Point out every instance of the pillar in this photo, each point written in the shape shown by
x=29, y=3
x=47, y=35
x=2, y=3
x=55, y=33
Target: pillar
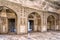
x=39, y=24
x=23, y=25
x=18, y=25
x=57, y=23
x=22, y=22
x=35, y=24
x=44, y=22
x=4, y=26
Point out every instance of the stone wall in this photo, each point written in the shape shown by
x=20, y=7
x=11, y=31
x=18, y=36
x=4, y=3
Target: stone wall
x=22, y=16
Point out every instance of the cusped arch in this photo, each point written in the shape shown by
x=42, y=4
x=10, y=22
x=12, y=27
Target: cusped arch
x=34, y=14
x=9, y=5
x=12, y=10
x=51, y=16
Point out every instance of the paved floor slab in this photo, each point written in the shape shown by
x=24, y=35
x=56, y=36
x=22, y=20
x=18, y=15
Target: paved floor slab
x=33, y=36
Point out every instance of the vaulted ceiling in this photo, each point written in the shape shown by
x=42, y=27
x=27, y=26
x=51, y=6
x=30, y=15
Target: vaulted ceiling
x=46, y=5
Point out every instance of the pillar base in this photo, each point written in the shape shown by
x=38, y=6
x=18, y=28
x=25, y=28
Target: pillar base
x=22, y=29
x=43, y=29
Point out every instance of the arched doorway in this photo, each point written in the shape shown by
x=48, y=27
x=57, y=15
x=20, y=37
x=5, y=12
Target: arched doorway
x=34, y=22
x=9, y=20
x=12, y=22
x=51, y=23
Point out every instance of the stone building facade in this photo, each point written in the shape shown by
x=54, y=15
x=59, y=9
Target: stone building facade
x=15, y=18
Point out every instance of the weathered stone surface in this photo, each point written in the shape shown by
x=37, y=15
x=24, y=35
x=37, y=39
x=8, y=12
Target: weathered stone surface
x=33, y=36
x=22, y=13
x=35, y=4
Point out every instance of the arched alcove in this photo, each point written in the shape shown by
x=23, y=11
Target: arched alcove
x=51, y=22
x=8, y=20
x=34, y=22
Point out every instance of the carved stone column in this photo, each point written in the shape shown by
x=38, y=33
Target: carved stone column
x=57, y=24
x=18, y=25
x=44, y=23
x=39, y=24
x=0, y=24
x=23, y=25
x=4, y=27
x=35, y=25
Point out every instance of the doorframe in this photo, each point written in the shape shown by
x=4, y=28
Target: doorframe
x=33, y=25
x=15, y=25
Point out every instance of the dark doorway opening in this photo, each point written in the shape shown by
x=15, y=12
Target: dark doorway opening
x=11, y=25
x=31, y=25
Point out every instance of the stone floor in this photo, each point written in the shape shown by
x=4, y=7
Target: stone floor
x=52, y=35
